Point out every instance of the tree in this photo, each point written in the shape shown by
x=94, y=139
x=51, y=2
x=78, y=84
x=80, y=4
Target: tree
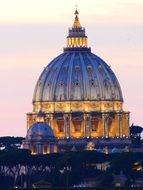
x=8, y=141
x=135, y=133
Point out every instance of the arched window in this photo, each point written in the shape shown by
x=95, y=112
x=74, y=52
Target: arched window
x=34, y=150
x=94, y=124
x=108, y=125
x=60, y=124
x=109, y=122
x=46, y=149
x=77, y=125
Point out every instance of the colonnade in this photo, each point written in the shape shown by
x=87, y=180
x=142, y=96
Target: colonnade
x=40, y=147
x=117, y=128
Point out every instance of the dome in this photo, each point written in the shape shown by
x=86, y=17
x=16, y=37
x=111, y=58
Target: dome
x=77, y=74
x=115, y=150
x=79, y=96
x=40, y=130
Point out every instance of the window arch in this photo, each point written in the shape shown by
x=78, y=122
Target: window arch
x=94, y=124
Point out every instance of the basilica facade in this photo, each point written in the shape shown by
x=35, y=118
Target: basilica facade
x=77, y=102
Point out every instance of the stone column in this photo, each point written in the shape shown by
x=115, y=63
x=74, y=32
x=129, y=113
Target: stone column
x=51, y=148
x=128, y=123
x=103, y=123
x=84, y=124
x=119, y=132
x=39, y=148
x=68, y=125
x=48, y=148
x=105, y=117
x=121, y=125
x=65, y=125
x=55, y=148
x=67, y=122
x=87, y=121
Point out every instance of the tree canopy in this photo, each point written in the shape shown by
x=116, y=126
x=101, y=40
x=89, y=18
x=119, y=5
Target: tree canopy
x=135, y=129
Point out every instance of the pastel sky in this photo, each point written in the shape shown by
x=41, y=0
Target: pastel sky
x=33, y=32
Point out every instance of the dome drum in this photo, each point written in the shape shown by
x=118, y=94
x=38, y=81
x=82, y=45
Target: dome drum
x=80, y=106
x=84, y=125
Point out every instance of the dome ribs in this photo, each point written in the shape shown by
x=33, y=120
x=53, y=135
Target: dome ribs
x=77, y=75
x=55, y=80
x=98, y=92
x=84, y=76
x=69, y=78
x=109, y=80
x=47, y=87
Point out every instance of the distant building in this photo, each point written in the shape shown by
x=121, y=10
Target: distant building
x=77, y=102
x=40, y=137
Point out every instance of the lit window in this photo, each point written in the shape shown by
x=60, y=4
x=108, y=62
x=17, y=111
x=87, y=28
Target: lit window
x=60, y=124
x=94, y=124
x=77, y=125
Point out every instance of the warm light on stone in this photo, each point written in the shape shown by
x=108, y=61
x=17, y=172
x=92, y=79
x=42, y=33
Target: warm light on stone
x=79, y=98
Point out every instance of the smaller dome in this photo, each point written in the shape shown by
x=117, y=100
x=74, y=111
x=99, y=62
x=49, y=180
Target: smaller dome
x=40, y=130
x=115, y=150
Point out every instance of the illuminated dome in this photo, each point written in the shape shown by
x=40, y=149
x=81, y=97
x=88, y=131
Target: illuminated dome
x=77, y=101
x=40, y=130
x=77, y=74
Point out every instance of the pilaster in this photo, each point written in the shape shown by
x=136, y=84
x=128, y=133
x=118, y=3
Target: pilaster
x=104, y=124
x=119, y=129
x=67, y=122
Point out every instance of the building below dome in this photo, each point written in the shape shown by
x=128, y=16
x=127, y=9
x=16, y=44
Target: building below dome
x=79, y=97
x=40, y=138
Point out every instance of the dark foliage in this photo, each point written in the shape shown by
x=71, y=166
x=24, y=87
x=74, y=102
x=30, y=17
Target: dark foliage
x=135, y=133
x=10, y=141
x=135, y=130
x=70, y=168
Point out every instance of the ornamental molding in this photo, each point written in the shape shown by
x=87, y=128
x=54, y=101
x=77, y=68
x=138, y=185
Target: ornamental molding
x=83, y=106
